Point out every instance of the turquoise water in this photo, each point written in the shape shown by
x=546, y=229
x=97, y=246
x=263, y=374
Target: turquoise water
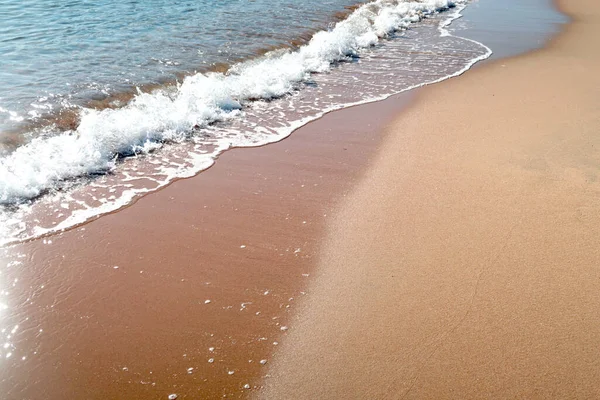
x=57, y=54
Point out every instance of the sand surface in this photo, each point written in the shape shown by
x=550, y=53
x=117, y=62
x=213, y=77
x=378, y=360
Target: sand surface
x=466, y=264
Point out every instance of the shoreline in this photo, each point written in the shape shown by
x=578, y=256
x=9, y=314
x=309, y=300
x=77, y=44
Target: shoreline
x=464, y=264
x=92, y=305
x=49, y=217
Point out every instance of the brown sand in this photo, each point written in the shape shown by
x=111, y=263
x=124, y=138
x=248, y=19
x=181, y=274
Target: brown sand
x=466, y=264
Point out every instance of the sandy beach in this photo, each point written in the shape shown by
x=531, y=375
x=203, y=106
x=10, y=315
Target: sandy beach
x=466, y=263
x=439, y=244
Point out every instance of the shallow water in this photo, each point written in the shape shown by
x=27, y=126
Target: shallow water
x=509, y=33
x=60, y=178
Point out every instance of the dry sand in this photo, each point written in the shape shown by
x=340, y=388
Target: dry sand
x=466, y=264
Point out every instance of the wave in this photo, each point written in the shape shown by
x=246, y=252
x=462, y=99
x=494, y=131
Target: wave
x=205, y=102
x=153, y=118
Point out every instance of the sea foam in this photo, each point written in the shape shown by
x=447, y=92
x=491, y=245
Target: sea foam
x=151, y=119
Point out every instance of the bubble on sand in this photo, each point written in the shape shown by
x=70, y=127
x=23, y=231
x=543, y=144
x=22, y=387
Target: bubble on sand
x=284, y=328
x=172, y=396
x=190, y=370
x=246, y=386
x=230, y=372
x=206, y=301
x=211, y=360
x=263, y=362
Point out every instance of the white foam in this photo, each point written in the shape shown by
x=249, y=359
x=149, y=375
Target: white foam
x=201, y=99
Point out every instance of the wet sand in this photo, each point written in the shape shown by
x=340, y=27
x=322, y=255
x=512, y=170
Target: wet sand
x=118, y=308
x=465, y=264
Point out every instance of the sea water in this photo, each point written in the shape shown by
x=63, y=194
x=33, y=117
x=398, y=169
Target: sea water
x=56, y=53
x=101, y=102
